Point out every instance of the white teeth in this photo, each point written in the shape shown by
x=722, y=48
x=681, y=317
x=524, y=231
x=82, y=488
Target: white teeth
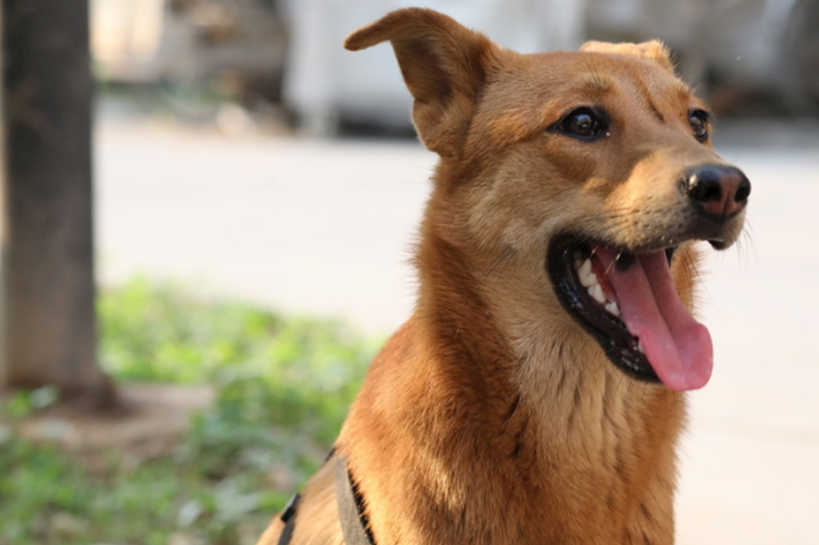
x=586, y=275
x=589, y=281
x=640, y=346
x=597, y=293
x=613, y=308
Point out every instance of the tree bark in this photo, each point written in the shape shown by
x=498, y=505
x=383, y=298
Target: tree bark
x=49, y=324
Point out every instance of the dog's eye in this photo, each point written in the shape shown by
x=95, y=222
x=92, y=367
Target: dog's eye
x=583, y=123
x=698, y=119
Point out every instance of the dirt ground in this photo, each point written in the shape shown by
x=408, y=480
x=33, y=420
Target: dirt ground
x=148, y=424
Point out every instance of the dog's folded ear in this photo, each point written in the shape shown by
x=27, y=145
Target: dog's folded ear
x=653, y=50
x=444, y=66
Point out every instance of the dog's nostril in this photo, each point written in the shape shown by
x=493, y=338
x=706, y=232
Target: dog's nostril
x=719, y=191
x=704, y=188
x=744, y=190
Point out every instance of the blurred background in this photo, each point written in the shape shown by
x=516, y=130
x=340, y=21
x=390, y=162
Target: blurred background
x=207, y=235
x=757, y=57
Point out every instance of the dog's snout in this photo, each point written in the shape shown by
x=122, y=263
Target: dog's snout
x=719, y=191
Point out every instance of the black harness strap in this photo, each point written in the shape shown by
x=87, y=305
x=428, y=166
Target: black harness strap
x=288, y=516
x=354, y=523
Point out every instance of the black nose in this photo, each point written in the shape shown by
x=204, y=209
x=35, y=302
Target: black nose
x=718, y=191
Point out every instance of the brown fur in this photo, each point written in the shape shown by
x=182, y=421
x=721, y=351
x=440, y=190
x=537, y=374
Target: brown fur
x=491, y=417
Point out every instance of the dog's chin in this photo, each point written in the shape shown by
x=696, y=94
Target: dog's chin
x=601, y=320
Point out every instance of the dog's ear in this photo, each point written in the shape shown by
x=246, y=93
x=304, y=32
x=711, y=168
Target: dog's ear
x=444, y=66
x=653, y=50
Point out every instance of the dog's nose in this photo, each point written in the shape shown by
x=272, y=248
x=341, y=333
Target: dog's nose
x=719, y=191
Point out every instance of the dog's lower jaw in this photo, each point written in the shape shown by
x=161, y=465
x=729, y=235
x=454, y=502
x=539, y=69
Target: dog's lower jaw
x=483, y=438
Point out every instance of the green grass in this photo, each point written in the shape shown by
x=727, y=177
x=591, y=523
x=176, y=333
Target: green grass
x=283, y=388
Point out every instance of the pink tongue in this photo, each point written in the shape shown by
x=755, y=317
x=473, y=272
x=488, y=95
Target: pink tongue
x=677, y=346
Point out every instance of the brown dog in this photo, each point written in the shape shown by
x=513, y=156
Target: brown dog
x=535, y=394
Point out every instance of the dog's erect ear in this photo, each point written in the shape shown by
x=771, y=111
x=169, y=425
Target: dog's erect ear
x=653, y=50
x=444, y=66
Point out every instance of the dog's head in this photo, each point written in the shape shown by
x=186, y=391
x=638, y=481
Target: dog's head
x=590, y=172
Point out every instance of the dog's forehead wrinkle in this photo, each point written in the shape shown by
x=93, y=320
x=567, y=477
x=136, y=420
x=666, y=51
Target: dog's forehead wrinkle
x=661, y=92
x=599, y=81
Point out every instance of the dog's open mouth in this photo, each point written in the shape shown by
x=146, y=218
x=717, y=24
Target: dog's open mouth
x=628, y=302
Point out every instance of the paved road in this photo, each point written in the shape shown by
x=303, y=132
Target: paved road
x=326, y=228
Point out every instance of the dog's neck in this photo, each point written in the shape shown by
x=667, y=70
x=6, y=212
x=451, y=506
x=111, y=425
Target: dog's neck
x=553, y=408
x=489, y=387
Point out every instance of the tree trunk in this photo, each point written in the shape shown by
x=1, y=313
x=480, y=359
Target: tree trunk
x=48, y=322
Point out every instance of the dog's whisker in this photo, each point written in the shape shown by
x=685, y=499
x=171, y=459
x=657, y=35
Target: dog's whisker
x=504, y=257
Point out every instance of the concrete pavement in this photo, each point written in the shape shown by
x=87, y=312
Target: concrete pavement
x=326, y=227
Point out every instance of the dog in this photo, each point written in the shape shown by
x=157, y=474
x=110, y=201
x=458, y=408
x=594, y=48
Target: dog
x=536, y=394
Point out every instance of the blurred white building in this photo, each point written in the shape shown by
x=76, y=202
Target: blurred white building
x=325, y=82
